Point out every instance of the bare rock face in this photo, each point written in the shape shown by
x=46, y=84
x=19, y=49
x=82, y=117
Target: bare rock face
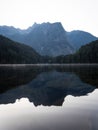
x=49, y=39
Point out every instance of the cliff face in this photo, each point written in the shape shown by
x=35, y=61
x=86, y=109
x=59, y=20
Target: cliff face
x=49, y=39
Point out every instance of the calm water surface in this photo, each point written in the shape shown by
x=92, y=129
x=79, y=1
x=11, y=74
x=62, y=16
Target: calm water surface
x=49, y=98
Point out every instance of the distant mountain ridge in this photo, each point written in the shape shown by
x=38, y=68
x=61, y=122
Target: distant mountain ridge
x=49, y=39
x=79, y=38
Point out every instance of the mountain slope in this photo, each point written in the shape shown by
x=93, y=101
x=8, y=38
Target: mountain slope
x=13, y=52
x=86, y=54
x=46, y=38
x=13, y=33
x=79, y=38
x=49, y=39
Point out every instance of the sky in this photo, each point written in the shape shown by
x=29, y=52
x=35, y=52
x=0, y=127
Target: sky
x=73, y=14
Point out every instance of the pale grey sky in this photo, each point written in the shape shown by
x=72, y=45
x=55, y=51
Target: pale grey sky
x=73, y=14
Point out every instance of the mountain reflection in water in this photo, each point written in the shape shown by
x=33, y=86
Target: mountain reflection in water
x=46, y=85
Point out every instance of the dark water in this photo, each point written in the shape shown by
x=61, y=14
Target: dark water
x=49, y=97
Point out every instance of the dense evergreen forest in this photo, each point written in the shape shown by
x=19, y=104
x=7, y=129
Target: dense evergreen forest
x=15, y=53
x=86, y=54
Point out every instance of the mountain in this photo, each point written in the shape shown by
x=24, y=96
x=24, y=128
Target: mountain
x=86, y=54
x=13, y=52
x=46, y=38
x=8, y=30
x=78, y=38
x=13, y=33
x=49, y=38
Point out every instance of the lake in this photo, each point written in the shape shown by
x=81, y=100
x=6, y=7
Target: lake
x=49, y=97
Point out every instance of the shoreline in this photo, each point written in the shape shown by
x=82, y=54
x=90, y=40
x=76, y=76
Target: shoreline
x=46, y=64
